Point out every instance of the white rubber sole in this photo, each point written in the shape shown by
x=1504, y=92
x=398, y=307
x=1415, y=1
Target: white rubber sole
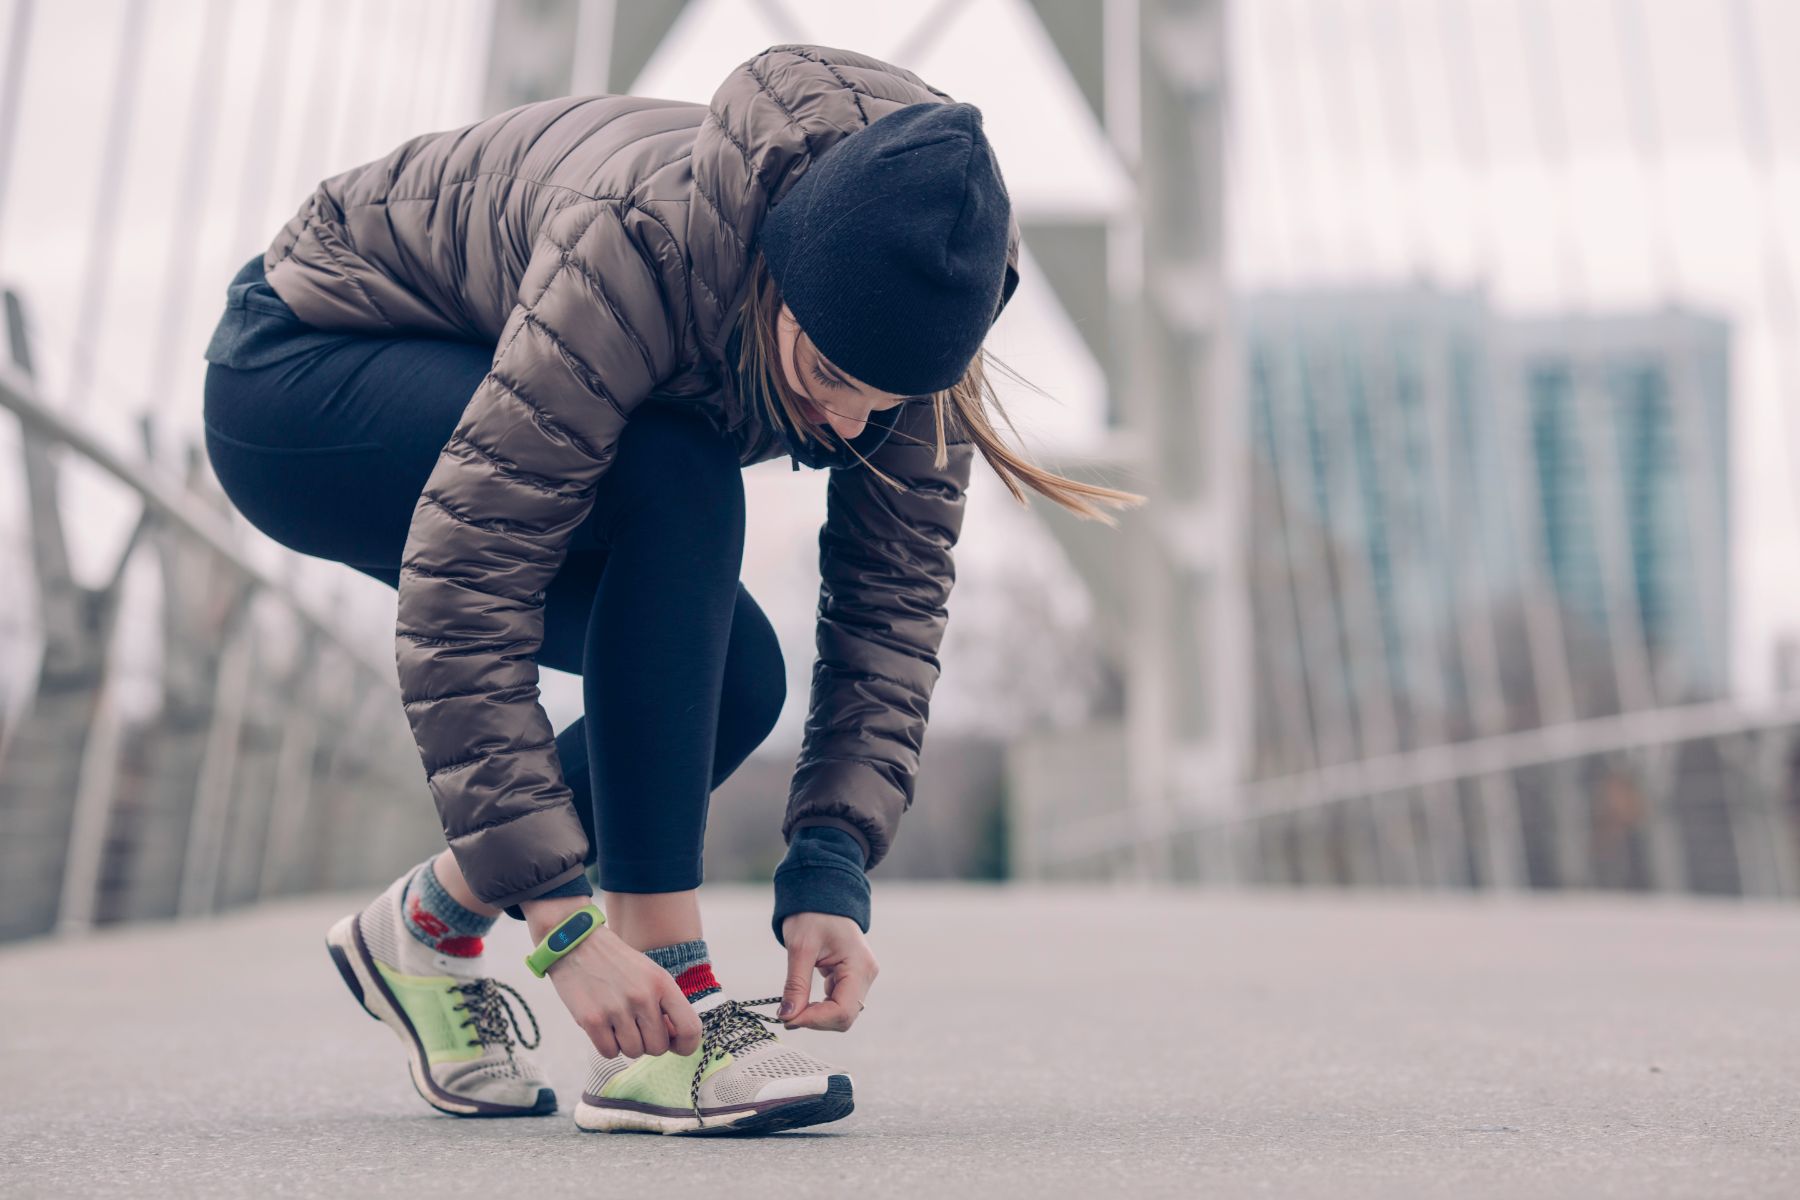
x=371, y=993
x=625, y=1120
x=791, y=1113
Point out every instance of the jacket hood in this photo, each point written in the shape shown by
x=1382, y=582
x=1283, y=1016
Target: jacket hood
x=765, y=125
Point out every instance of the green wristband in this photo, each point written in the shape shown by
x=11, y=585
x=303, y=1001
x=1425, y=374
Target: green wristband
x=568, y=934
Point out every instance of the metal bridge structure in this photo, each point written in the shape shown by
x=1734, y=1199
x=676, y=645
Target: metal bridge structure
x=1381, y=671
x=272, y=755
x=1433, y=570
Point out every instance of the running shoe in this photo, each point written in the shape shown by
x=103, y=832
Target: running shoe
x=453, y=1020
x=742, y=1079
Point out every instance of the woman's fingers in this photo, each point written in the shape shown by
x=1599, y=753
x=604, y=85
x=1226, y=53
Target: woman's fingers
x=835, y=946
x=626, y=1004
x=682, y=1020
x=631, y=1042
x=844, y=1003
x=848, y=991
x=803, y=954
x=824, y=1014
x=651, y=1031
x=605, y=1042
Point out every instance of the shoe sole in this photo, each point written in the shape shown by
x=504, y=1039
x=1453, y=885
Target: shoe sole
x=834, y=1103
x=357, y=967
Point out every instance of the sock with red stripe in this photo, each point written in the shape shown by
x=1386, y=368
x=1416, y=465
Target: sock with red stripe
x=435, y=918
x=690, y=964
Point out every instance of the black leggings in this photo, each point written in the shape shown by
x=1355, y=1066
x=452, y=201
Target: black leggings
x=682, y=677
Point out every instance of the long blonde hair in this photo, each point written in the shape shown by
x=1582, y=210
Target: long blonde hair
x=967, y=401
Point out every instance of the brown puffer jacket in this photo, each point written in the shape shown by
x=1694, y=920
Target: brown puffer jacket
x=601, y=243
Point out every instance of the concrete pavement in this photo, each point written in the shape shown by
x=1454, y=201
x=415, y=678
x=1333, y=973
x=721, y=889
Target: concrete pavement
x=1020, y=1042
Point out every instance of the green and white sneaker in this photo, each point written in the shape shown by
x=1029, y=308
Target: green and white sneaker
x=452, y=1019
x=742, y=1079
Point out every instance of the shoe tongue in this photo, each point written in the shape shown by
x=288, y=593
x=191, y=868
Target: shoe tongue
x=708, y=1003
x=458, y=965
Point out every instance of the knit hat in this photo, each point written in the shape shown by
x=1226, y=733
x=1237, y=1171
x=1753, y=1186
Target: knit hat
x=891, y=249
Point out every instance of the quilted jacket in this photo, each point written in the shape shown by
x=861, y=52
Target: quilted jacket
x=601, y=244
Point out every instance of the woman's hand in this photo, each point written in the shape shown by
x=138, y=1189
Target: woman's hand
x=836, y=947
x=625, y=1003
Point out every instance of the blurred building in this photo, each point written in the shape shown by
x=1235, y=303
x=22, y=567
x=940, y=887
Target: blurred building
x=1637, y=405
x=1353, y=530
x=1464, y=525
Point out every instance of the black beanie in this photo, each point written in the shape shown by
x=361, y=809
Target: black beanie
x=891, y=249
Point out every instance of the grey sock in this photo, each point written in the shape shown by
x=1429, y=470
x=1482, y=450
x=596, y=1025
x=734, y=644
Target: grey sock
x=434, y=916
x=691, y=965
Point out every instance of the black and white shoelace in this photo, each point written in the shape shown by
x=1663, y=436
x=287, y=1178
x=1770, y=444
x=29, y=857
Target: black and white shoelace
x=490, y=1012
x=729, y=1028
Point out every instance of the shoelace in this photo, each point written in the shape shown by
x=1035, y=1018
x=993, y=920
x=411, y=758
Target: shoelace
x=728, y=1029
x=489, y=1012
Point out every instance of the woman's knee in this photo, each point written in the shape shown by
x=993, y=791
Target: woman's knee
x=667, y=449
x=755, y=686
x=760, y=697
x=747, y=715
x=674, y=475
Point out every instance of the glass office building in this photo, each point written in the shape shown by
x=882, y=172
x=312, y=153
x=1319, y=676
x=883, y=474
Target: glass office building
x=1464, y=525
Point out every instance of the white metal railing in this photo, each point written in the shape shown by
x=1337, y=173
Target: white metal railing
x=218, y=821
x=1610, y=805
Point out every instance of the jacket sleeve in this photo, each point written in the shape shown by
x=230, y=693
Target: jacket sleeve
x=886, y=573
x=587, y=341
x=884, y=558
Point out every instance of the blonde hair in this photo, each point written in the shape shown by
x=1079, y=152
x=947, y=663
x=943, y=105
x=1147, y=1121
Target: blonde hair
x=967, y=401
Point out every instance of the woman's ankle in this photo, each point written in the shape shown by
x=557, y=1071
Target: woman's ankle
x=451, y=877
x=436, y=919
x=644, y=920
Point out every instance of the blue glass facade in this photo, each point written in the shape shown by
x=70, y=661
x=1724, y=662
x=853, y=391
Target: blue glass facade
x=1433, y=520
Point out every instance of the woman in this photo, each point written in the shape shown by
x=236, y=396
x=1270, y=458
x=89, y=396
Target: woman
x=515, y=370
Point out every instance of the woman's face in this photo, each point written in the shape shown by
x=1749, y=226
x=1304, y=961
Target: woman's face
x=838, y=400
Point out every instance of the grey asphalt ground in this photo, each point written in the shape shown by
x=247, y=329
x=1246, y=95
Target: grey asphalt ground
x=1020, y=1042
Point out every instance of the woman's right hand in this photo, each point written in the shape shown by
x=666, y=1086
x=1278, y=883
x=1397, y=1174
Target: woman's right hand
x=625, y=1003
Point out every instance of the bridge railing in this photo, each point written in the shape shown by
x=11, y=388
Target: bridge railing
x=1701, y=798
x=180, y=729
x=278, y=759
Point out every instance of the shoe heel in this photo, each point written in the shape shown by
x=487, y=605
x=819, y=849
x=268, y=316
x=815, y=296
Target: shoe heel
x=349, y=954
x=338, y=942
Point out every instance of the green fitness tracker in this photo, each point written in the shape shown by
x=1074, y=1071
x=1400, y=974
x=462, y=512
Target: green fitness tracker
x=568, y=934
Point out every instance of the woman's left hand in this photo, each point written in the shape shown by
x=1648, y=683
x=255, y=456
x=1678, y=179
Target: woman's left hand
x=836, y=948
